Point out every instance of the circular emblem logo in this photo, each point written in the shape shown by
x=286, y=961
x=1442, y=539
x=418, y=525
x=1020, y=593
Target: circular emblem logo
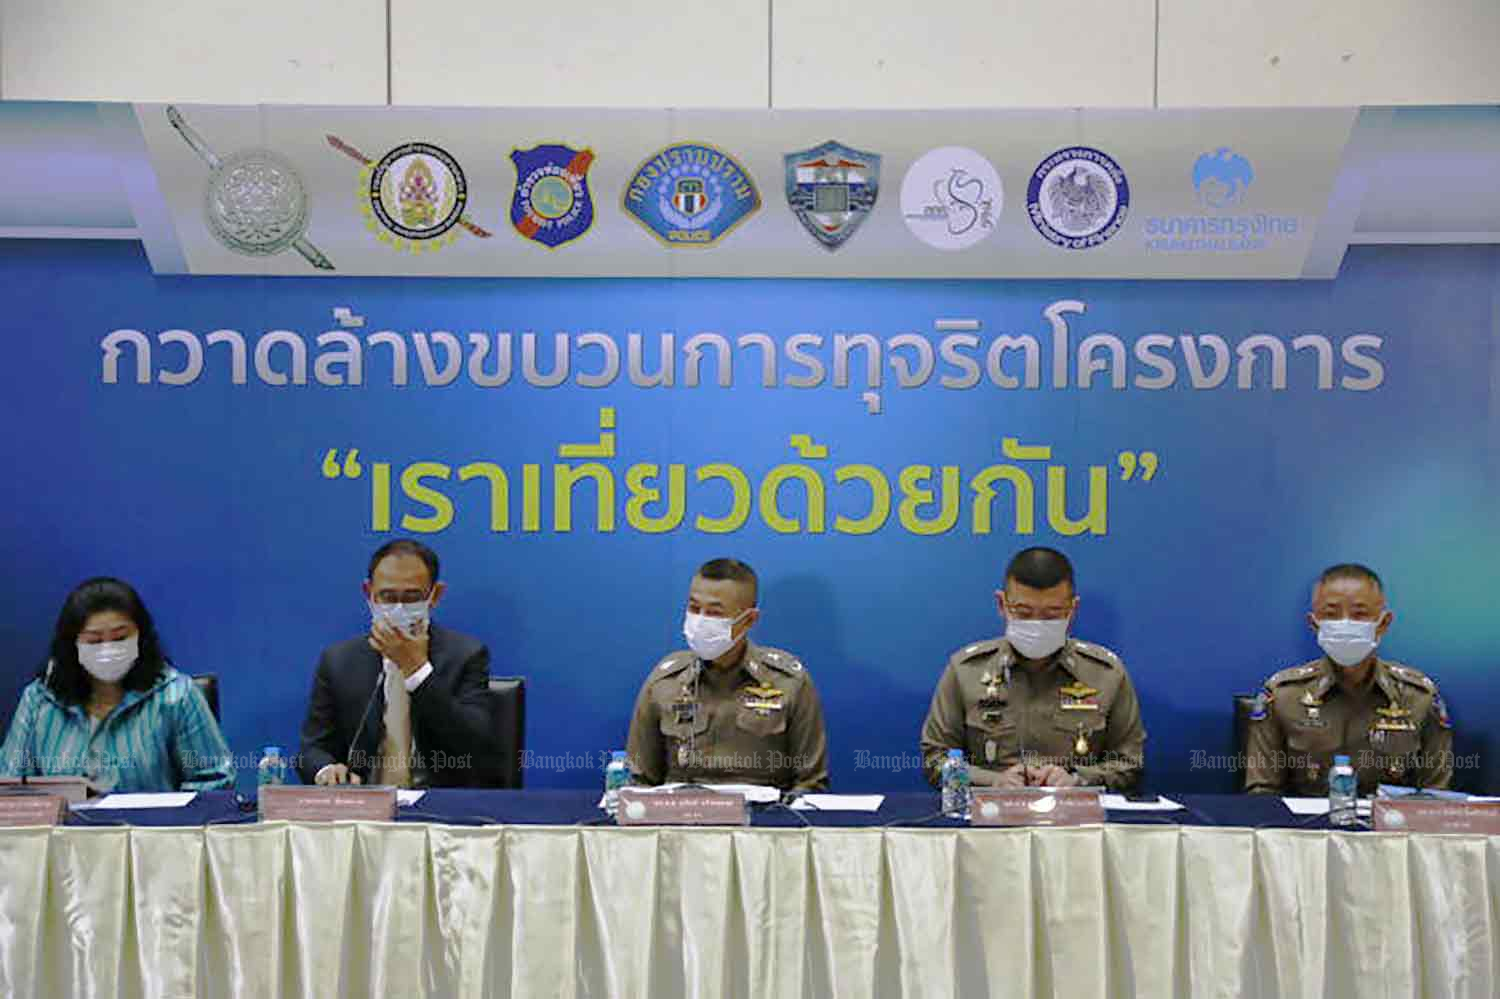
x=548, y=195
x=951, y=198
x=256, y=203
x=1077, y=198
x=417, y=192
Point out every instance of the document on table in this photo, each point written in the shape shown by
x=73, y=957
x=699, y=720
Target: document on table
x=405, y=799
x=1319, y=806
x=840, y=802
x=1120, y=803
x=755, y=794
x=170, y=799
x=1306, y=806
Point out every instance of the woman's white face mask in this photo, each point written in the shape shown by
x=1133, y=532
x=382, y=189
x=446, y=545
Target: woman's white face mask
x=108, y=662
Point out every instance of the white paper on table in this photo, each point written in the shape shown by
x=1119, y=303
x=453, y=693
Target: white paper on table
x=755, y=794
x=169, y=799
x=1482, y=797
x=840, y=802
x=1306, y=806
x=406, y=799
x=1319, y=806
x=1119, y=803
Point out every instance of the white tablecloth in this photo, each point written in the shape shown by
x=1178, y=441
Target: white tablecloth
x=411, y=910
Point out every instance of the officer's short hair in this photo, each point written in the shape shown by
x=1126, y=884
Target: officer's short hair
x=732, y=568
x=1040, y=568
x=1349, y=570
x=405, y=546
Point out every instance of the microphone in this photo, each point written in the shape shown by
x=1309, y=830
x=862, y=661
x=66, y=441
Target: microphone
x=364, y=717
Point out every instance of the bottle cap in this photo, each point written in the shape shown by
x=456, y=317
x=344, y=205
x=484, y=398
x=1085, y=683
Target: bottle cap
x=955, y=754
x=1341, y=760
x=271, y=751
x=618, y=756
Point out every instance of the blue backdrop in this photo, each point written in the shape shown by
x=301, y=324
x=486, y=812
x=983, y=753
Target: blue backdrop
x=220, y=501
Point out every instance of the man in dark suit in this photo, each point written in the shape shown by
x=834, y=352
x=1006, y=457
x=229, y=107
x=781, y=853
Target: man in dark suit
x=404, y=704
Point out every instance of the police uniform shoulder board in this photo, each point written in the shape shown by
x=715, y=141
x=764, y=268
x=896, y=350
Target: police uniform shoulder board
x=1414, y=677
x=1292, y=674
x=672, y=664
x=1096, y=653
x=780, y=660
x=976, y=649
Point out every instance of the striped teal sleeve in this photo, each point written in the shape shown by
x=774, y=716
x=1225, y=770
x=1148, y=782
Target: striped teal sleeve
x=17, y=755
x=200, y=754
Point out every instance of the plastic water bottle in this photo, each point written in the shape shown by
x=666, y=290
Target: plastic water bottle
x=616, y=776
x=1343, y=793
x=272, y=767
x=954, y=780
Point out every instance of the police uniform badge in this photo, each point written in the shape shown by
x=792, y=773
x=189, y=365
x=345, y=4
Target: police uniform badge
x=1078, y=696
x=762, y=698
x=691, y=194
x=831, y=189
x=1260, y=708
x=552, y=204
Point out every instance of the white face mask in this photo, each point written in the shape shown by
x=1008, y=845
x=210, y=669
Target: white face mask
x=1347, y=643
x=108, y=662
x=409, y=618
x=709, y=637
x=1036, y=639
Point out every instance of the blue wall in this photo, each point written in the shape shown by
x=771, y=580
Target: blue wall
x=211, y=496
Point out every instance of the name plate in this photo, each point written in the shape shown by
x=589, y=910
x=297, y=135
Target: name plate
x=1434, y=815
x=74, y=790
x=32, y=809
x=1053, y=806
x=299, y=803
x=681, y=807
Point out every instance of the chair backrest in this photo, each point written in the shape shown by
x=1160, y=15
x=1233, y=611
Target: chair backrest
x=1243, y=705
x=208, y=686
x=508, y=716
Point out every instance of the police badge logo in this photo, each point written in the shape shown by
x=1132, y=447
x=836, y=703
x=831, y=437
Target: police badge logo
x=691, y=194
x=416, y=193
x=552, y=204
x=951, y=198
x=1077, y=198
x=831, y=188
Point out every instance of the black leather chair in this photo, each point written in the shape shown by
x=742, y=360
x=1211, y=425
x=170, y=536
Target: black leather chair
x=507, y=697
x=1243, y=705
x=208, y=686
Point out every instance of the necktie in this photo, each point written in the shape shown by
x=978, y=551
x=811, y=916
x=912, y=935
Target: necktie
x=395, y=746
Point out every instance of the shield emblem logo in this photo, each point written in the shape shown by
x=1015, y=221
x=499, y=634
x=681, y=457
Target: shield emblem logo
x=688, y=196
x=831, y=189
x=552, y=204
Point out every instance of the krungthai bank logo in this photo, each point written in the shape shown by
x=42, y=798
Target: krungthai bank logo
x=1222, y=177
x=1221, y=187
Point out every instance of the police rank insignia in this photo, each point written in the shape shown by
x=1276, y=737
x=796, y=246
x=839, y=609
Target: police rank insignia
x=831, y=188
x=691, y=194
x=552, y=204
x=413, y=197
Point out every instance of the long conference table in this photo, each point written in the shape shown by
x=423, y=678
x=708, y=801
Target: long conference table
x=528, y=893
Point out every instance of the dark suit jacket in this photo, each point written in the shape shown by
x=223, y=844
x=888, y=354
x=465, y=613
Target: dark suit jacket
x=456, y=744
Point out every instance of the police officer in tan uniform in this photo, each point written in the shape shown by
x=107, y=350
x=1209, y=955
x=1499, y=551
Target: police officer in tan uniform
x=1037, y=707
x=727, y=710
x=1388, y=718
